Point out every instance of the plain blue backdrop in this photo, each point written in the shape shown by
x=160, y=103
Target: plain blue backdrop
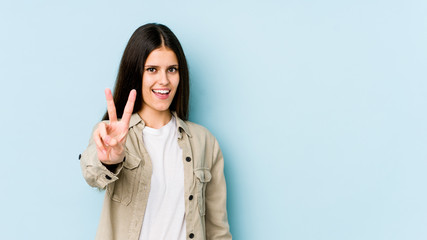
x=319, y=108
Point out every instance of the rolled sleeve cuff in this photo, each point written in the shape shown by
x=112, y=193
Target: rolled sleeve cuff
x=106, y=176
x=101, y=175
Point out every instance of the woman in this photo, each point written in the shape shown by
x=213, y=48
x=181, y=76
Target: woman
x=163, y=174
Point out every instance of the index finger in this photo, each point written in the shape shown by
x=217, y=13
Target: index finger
x=111, y=108
x=127, y=113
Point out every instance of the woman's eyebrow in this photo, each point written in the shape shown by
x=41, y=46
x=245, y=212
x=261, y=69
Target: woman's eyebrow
x=173, y=65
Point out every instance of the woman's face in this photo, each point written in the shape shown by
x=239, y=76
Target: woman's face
x=160, y=79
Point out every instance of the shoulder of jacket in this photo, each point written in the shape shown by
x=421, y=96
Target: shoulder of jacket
x=199, y=131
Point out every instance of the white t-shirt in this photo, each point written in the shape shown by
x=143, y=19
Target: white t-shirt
x=165, y=213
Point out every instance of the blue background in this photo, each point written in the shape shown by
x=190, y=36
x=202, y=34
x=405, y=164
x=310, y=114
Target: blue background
x=319, y=108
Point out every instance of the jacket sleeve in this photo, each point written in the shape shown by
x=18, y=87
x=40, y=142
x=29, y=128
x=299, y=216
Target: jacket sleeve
x=216, y=200
x=94, y=172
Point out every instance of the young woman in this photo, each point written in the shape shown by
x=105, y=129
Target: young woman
x=163, y=174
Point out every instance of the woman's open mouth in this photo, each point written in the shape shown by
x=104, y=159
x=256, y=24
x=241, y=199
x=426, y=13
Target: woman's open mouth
x=161, y=93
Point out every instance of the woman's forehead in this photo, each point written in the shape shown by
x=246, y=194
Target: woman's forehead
x=162, y=56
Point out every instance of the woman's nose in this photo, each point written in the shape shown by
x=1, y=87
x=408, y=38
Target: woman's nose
x=164, y=80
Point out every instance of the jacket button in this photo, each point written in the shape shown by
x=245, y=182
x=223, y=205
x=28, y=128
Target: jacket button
x=188, y=159
x=190, y=197
x=107, y=177
x=191, y=235
x=80, y=156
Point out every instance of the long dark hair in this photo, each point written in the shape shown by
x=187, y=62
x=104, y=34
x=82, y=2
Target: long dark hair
x=143, y=41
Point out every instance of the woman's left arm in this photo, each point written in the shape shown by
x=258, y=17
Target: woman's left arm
x=216, y=200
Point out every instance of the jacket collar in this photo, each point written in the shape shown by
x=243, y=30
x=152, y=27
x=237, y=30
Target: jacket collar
x=136, y=119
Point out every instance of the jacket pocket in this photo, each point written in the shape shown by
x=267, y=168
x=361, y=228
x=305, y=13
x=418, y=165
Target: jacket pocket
x=122, y=189
x=203, y=176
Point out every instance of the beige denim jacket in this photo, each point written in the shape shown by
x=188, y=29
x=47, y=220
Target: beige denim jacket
x=129, y=185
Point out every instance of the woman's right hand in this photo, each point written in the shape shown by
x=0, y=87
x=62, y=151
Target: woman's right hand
x=110, y=138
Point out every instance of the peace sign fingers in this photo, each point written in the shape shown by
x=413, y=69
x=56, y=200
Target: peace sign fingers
x=111, y=108
x=110, y=138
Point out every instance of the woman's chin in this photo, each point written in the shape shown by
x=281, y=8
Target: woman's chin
x=161, y=108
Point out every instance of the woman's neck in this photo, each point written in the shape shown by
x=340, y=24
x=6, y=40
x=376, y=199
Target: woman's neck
x=153, y=118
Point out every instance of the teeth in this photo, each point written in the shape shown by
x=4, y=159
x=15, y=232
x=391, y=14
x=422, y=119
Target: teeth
x=161, y=91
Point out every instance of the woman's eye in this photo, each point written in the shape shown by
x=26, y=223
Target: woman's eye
x=173, y=69
x=151, y=69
